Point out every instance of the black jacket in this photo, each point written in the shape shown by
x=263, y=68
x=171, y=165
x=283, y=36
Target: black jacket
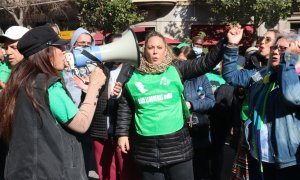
x=41, y=148
x=107, y=107
x=167, y=149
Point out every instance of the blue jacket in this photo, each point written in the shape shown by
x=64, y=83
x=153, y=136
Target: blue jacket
x=282, y=115
x=199, y=104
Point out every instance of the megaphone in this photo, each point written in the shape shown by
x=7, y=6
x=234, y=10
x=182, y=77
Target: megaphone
x=125, y=50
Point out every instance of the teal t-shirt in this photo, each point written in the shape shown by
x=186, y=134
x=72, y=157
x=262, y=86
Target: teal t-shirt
x=216, y=80
x=5, y=70
x=61, y=105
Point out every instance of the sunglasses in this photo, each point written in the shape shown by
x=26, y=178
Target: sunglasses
x=281, y=49
x=61, y=47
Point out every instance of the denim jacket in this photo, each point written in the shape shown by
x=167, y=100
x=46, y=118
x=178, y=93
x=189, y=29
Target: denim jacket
x=198, y=92
x=282, y=115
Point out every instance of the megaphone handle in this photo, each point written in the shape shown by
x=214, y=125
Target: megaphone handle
x=101, y=65
x=84, y=81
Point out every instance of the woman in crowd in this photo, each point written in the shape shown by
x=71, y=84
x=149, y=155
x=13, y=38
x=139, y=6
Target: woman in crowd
x=184, y=52
x=260, y=58
x=256, y=58
x=273, y=127
x=38, y=118
x=153, y=100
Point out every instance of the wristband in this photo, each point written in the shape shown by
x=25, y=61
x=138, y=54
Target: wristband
x=232, y=45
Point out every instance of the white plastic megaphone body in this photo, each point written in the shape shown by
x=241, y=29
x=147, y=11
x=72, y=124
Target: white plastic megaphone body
x=125, y=50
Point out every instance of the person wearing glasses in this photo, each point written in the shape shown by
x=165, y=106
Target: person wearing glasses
x=81, y=39
x=39, y=120
x=256, y=58
x=273, y=127
x=260, y=57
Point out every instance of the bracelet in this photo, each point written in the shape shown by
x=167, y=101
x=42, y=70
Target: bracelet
x=232, y=45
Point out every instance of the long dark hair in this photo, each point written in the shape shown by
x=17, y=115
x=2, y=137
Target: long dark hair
x=23, y=76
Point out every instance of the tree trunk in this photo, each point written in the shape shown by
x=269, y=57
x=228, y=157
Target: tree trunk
x=254, y=36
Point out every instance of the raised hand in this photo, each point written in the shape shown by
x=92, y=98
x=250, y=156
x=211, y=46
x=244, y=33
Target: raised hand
x=294, y=47
x=235, y=34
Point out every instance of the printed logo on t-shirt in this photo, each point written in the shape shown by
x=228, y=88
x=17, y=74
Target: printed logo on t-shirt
x=140, y=86
x=164, y=81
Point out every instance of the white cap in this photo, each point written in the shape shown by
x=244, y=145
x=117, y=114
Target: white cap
x=13, y=33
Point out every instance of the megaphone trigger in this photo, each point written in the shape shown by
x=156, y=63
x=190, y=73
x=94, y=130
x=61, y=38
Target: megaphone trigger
x=90, y=56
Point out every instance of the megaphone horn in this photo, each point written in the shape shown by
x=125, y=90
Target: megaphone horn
x=125, y=50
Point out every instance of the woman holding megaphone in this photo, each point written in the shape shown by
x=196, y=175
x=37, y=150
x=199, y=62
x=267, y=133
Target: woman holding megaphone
x=38, y=117
x=153, y=100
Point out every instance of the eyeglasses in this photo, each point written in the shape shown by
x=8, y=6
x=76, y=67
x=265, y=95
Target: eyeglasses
x=281, y=49
x=267, y=39
x=59, y=46
x=83, y=43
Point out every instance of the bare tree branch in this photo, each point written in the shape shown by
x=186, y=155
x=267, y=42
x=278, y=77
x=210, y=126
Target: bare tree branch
x=19, y=9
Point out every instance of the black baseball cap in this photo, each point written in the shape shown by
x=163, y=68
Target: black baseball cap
x=38, y=39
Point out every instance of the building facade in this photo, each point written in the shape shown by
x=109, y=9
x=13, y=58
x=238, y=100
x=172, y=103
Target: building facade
x=176, y=18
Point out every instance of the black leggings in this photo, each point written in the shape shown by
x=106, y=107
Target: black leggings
x=178, y=171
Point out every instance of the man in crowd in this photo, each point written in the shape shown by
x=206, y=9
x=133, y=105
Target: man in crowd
x=10, y=40
x=197, y=45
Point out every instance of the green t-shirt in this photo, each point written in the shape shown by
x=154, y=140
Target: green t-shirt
x=61, y=105
x=245, y=109
x=158, y=102
x=5, y=70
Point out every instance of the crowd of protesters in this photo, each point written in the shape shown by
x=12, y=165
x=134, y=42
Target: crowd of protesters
x=170, y=118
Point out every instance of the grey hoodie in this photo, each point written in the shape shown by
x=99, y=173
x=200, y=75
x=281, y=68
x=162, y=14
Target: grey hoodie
x=74, y=90
x=76, y=34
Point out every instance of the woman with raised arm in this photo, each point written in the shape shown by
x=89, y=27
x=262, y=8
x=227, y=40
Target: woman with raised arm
x=153, y=101
x=273, y=128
